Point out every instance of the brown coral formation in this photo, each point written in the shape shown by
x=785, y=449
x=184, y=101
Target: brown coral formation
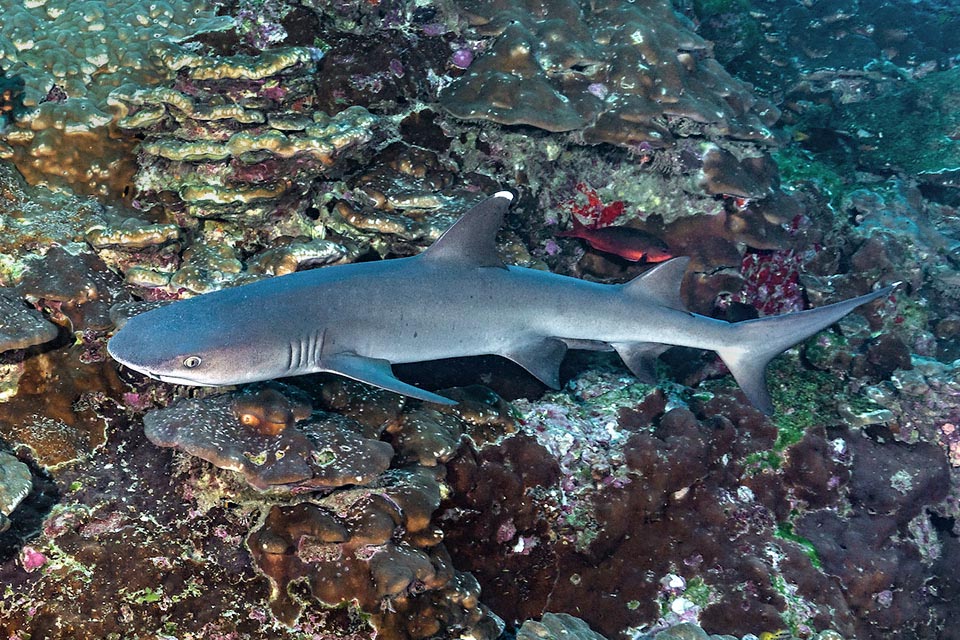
x=266, y=434
x=543, y=548
x=70, y=59
x=55, y=400
x=630, y=74
x=52, y=398
x=374, y=547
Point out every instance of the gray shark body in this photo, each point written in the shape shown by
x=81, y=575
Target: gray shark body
x=455, y=299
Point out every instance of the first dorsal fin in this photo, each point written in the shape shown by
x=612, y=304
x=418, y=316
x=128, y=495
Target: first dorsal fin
x=662, y=283
x=472, y=240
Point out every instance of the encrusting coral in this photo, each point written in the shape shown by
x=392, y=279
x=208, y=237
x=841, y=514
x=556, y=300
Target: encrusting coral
x=373, y=546
x=250, y=154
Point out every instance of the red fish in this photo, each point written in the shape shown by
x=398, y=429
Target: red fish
x=628, y=243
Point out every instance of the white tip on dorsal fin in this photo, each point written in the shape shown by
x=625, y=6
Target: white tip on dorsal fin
x=662, y=283
x=472, y=239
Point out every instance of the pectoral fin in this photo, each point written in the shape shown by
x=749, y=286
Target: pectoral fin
x=378, y=373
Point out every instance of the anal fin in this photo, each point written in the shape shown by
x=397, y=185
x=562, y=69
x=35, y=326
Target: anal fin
x=378, y=373
x=641, y=358
x=541, y=358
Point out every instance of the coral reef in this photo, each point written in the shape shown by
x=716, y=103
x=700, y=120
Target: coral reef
x=559, y=527
x=229, y=160
x=374, y=547
x=252, y=139
x=15, y=484
x=76, y=289
x=33, y=219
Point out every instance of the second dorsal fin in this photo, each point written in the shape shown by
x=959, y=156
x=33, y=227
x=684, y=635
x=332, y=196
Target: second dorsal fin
x=472, y=240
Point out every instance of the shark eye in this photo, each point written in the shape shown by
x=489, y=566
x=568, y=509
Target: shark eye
x=191, y=362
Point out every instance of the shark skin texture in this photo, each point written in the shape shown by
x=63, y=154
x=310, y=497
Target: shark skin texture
x=455, y=299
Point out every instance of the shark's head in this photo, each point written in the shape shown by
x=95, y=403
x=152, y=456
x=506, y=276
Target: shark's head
x=197, y=344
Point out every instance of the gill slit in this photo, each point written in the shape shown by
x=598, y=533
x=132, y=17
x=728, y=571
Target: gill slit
x=291, y=354
x=317, y=348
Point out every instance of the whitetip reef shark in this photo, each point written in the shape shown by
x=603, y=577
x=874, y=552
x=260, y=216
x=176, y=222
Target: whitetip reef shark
x=457, y=298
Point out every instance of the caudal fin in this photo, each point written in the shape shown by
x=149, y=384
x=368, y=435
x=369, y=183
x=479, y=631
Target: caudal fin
x=756, y=342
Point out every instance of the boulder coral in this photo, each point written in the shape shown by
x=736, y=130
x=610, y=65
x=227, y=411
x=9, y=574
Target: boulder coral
x=632, y=74
x=270, y=438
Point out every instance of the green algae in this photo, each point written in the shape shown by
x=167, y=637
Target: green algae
x=700, y=593
x=799, y=394
x=913, y=129
x=798, y=165
x=785, y=531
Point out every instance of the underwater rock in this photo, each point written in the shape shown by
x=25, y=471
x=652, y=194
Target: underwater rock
x=889, y=127
x=77, y=288
x=271, y=440
x=557, y=626
x=56, y=406
x=35, y=218
x=897, y=480
x=743, y=177
x=70, y=584
x=559, y=529
x=426, y=436
x=404, y=199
